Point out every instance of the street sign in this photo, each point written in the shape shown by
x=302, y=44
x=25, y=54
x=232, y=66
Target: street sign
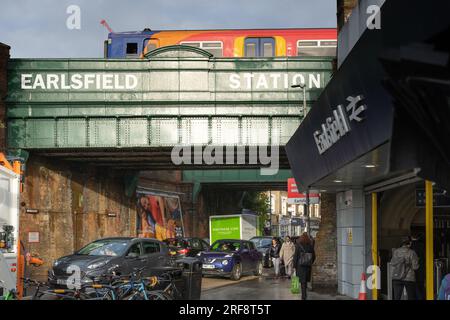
x=441, y=198
x=295, y=197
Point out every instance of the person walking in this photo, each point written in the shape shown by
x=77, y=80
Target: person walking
x=404, y=263
x=274, y=254
x=418, y=246
x=304, y=258
x=287, y=256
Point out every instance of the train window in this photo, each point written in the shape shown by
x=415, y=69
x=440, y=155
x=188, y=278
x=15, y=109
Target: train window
x=328, y=43
x=213, y=47
x=150, y=46
x=259, y=47
x=132, y=49
x=313, y=48
x=191, y=44
x=250, y=50
x=267, y=49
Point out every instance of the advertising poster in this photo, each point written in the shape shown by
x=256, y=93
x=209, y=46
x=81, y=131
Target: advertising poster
x=159, y=216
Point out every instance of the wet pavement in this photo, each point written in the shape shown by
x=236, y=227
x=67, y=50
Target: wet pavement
x=209, y=282
x=266, y=287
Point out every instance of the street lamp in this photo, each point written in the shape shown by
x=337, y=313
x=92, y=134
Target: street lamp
x=308, y=220
x=303, y=86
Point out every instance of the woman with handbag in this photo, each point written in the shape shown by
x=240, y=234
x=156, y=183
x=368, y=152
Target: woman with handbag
x=304, y=257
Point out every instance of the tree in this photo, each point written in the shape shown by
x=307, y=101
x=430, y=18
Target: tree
x=258, y=202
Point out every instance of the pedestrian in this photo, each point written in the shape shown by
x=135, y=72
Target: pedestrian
x=287, y=256
x=418, y=246
x=274, y=254
x=444, y=290
x=404, y=263
x=304, y=258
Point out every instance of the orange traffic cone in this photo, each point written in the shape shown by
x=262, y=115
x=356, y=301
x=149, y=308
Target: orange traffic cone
x=362, y=289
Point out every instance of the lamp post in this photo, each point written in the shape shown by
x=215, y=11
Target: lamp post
x=306, y=211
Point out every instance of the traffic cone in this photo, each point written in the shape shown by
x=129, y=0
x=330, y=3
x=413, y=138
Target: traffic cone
x=362, y=289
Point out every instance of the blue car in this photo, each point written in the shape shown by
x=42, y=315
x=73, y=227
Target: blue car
x=232, y=258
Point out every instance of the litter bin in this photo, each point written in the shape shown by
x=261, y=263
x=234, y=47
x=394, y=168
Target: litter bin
x=192, y=274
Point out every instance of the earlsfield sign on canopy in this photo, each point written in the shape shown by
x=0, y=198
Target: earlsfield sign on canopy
x=76, y=81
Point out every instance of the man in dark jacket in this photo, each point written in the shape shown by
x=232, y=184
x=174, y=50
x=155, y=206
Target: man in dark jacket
x=304, y=258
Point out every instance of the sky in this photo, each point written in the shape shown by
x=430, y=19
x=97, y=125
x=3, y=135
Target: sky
x=37, y=28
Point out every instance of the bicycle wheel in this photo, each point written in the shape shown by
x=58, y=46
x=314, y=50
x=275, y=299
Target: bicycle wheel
x=157, y=295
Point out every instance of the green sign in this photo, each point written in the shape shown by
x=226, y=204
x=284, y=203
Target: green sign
x=225, y=228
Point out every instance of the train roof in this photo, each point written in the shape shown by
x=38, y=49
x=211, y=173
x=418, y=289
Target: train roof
x=224, y=29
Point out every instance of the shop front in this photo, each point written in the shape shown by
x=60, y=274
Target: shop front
x=374, y=138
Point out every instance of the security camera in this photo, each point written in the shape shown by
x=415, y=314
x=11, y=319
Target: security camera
x=300, y=85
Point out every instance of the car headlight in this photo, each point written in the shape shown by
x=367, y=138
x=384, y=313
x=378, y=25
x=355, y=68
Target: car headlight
x=225, y=262
x=56, y=263
x=228, y=255
x=97, y=265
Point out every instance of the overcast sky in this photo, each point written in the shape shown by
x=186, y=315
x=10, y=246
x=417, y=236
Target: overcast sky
x=37, y=28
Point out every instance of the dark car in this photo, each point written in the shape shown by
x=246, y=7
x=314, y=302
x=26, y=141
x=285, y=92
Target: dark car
x=121, y=255
x=186, y=247
x=262, y=244
x=232, y=258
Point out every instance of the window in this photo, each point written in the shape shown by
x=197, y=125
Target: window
x=213, y=47
x=259, y=47
x=250, y=50
x=135, y=250
x=104, y=248
x=316, y=48
x=267, y=49
x=150, y=46
x=284, y=205
x=132, y=48
x=251, y=245
x=151, y=247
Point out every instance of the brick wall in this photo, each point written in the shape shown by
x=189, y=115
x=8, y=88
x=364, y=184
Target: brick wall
x=77, y=204
x=4, y=56
x=324, y=269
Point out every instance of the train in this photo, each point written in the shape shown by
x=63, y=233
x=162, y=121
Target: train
x=252, y=43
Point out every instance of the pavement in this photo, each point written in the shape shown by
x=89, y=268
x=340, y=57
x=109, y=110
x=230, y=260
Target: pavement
x=266, y=287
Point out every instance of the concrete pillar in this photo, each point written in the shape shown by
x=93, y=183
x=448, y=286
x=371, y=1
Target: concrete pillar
x=351, y=242
x=325, y=266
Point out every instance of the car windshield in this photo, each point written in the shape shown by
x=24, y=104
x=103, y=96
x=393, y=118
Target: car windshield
x=262, y=242
x=104, y=248
x=226, y=246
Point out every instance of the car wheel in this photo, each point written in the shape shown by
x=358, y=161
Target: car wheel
x=236, y=272
x=259, y=269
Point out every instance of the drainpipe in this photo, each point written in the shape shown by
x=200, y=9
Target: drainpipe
x=429, y=266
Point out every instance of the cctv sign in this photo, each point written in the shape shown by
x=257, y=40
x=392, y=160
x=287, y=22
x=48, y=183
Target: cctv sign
x=295, y=197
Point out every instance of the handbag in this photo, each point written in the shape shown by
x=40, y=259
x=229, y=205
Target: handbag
x=305, y=258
